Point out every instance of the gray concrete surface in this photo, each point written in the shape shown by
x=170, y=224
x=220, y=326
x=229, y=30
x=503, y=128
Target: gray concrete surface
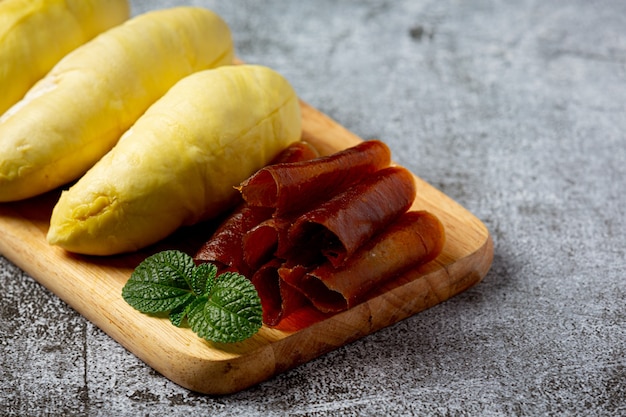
x=517, y=110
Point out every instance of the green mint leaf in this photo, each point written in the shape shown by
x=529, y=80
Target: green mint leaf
x=151, y=297
x=203, y=278
x=159, y=283
x=170, y=267
x=225, y=309
x=231, y=313
x=178, y=314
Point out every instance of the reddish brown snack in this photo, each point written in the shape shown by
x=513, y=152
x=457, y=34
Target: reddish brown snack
x=278, y=297
x=267, y=284
x=260, y=243
x=339, y=226
x=294, y=269
x=416, y=238
x=294, y=186
x=224, y=248
x=298, y=151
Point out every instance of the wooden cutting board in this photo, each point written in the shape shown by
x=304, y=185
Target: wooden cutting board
x=93, y=285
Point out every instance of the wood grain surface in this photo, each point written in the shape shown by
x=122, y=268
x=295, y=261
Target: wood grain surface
x=93, y=285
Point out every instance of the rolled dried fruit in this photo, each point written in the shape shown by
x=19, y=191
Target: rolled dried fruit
x=278, y=297
x=180, y=161
x=36, y=34
x=290, y=188
x=79, y=110
x=416, y=238
x=225, y=247
x=338, y=226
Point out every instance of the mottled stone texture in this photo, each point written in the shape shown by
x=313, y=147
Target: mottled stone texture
x=517, y=110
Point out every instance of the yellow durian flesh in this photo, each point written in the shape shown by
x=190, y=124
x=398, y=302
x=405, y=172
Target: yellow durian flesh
x=180, y=162
x=36, y=34
x=79, y=110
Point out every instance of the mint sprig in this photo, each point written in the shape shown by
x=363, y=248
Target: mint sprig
x=224, y=308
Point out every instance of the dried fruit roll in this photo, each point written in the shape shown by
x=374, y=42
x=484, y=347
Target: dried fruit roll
x=278, y=297
x=340, y=225
x=225, y=247
x=291, y=187
x=417, y=237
